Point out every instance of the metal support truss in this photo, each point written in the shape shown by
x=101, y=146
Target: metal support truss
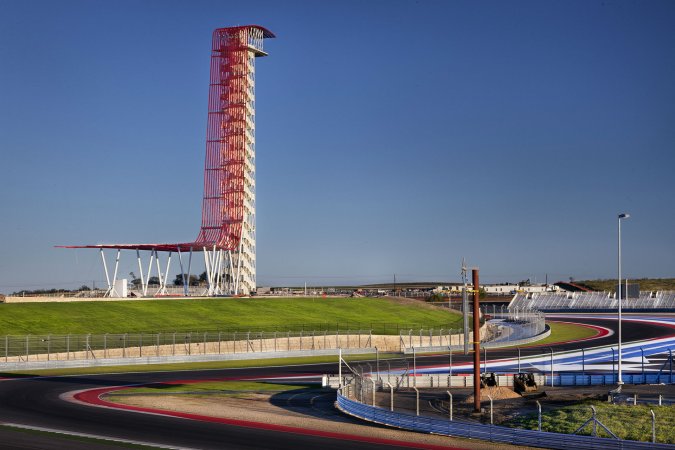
x=223, y=271
x=111, y=291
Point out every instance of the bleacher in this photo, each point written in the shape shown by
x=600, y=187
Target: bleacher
x=593, y=301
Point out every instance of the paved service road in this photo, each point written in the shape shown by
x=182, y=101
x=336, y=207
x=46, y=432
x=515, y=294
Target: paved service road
x=36, y=402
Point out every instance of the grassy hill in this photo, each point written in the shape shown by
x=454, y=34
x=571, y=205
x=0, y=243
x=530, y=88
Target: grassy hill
x=222, y=314
x=646, y=284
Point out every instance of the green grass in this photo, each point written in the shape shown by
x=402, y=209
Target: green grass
x=226, y=314
x=561, y=332
x=626, y=421
x=214, y=386
x=210, y=365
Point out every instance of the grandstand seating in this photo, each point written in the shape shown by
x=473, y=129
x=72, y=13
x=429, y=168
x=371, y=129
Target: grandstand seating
x=592, y=301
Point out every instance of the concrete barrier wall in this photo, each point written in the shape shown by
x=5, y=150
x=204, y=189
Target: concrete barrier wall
x=33, y=365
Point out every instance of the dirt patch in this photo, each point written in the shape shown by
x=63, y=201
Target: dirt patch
x=496, y=392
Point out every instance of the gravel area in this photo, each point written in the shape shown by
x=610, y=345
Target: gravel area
x=312, y=409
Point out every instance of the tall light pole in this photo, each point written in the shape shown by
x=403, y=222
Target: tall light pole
x=618, y=291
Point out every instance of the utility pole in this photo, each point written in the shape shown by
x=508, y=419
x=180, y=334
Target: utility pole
x=476, y=341
x=465, y=309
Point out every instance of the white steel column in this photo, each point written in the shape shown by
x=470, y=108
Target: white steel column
x=239, y=258
x=206, y=265
x=140, y=269
x=189, y=267
x=230, y=273
x=219, y=273
x=147, y=279
x=182, y=272
x=107, y=277
x=159, y=273
x=163, y=280
x=114, y=292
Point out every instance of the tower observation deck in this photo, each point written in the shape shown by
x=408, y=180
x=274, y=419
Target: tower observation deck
x=227, y=235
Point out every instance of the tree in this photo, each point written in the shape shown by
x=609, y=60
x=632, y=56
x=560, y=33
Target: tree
x=178, y=281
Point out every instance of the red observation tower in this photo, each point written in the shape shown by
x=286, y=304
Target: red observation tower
x=227, y=235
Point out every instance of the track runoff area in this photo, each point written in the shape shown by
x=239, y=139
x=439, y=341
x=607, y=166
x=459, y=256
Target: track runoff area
x=72, y=405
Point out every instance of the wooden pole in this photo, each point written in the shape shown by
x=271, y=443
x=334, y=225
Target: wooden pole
x=476, y=342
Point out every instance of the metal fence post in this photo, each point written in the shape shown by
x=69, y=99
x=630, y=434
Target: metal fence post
x=377, y=363
x=491, y=416
x=417, y=400
x=518, y=359
x=449, y=405
x=414, y=367
x=68, y=347
x=539, y=413
x=339, y=368
x=49, y=346
x=86, y=347
x=373, y=381
x=583, y=364
x=653, y=426
x=391, y=397
x=140, y=345
x=613, y=374
x=552, y=366
x=173, y=349
x=642, y=352
x=449, y=361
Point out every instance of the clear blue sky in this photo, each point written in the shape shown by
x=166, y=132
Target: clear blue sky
x=393, y=137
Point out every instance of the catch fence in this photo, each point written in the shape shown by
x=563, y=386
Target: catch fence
x=396, y=397
x=53, y=347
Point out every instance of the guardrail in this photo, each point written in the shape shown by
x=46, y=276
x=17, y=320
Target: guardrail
x=493, y=433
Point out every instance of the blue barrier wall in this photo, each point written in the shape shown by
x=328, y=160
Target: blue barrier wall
x=494, y=433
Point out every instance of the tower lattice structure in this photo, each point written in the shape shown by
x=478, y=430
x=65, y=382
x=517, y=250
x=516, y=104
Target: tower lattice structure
x=227, y=236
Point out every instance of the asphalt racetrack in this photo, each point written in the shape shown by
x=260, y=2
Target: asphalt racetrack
x=36, y=402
